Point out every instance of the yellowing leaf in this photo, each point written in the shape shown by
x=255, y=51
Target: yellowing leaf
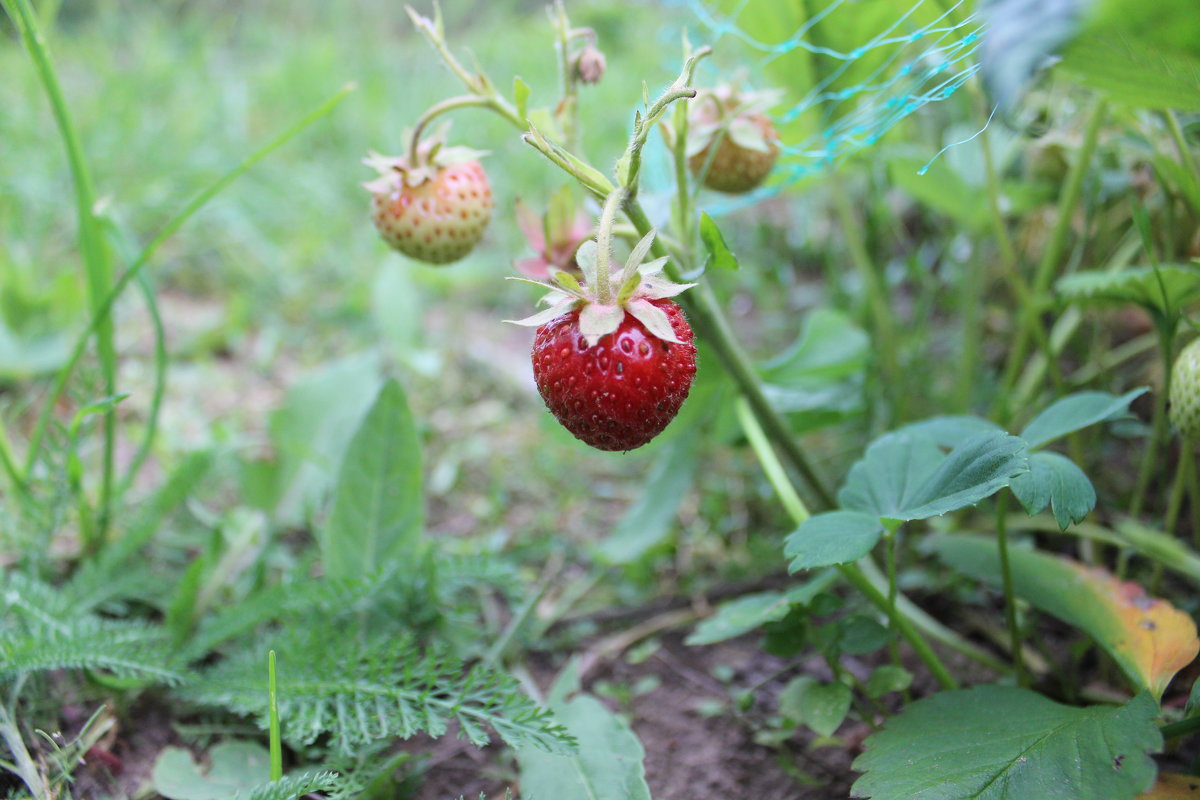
x=1149, y=638
x=1174, y=787
x=1157, y=638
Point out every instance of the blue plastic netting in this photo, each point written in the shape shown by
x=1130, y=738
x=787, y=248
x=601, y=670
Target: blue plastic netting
x=922, y=56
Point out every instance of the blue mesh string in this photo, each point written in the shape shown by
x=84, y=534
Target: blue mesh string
x=921, y=64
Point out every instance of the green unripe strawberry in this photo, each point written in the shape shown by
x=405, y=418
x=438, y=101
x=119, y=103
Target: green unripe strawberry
x=1185, y=392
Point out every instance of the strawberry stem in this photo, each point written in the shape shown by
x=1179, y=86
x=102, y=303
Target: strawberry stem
x=612, y=205
x=436, y=110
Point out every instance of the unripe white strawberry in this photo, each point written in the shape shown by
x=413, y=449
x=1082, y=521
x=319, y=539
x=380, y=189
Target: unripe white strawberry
x=1185, y=392
x=434, y=210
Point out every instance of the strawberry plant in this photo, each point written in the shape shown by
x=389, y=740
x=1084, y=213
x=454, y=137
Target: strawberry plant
x=867, y=487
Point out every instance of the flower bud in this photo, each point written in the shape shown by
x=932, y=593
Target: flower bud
x=589, y=65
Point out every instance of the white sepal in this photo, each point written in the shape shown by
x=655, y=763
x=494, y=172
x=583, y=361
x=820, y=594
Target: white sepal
x=532, y=282
x=654, y=289
x=596, y=320
x=639, y=252
x=547, y=315
x=652, y=268
x=745, y=133
x=585, y=257
x=654, y=318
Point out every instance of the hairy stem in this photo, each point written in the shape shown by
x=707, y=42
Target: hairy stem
x=612, y=206
x=437, y=109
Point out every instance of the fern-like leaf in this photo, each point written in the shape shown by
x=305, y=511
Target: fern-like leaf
x=291, y=787
x=39, y=631
x=331, y=684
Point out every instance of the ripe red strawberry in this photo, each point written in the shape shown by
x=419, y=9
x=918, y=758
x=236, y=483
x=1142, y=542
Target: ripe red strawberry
x=621, y=392
x=614, y=373
x=746, y=143
x=435, y=211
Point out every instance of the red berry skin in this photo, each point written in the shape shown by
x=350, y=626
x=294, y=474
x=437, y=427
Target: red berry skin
x=439, y=221
x=736, y=169
x=621, y=392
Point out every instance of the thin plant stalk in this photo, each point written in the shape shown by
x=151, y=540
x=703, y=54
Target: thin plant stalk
x=9, y=462
x=1178, y=485
x=883, y=323
x=1016, y=645
x=445, y=107
x=1185, y=153
x=1183, y=727
x=1188, y=451
x=890, y=556
x=160, y=388
x=1010, y=264
x=93, y=247
x=1158, y=429
x=273, y=719
x=26, y=768
x=1068, y=200
x=851, y=572
x=168, y=230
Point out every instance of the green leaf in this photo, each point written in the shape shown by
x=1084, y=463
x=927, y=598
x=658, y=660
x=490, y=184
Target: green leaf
x=235, y=767
x=607, y=764
x=836, y=537
x=1168, y=287
x=858, y=634
x=350, y=690
x=1055, y=480
x=310, y=432
x=521, y=96
x=1075, y=412
x=377, y=510
x=907, y=477
x=1172, y=172
x=719, y=254
x=647, y=523
x=1135, y=73
x=1005, y=743
x=752, y=611
x=888, y=678
x=831, y=347
x=1193, y=701
x=822, y=707
x=951, y=431
x=1148, y=638
x=302, y=784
